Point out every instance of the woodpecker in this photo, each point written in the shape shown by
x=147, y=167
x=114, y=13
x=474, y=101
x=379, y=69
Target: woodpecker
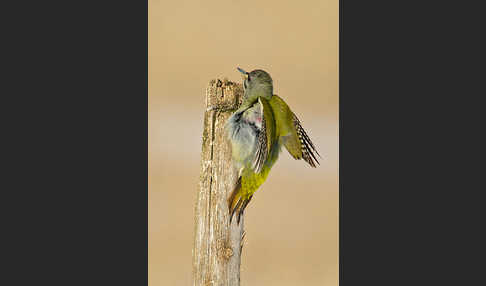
x=257, y=131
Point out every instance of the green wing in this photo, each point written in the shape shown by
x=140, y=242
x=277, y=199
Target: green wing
x=265, y=137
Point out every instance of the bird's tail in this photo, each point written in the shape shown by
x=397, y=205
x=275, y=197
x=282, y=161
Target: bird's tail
x=238, y=201
x=246, y=186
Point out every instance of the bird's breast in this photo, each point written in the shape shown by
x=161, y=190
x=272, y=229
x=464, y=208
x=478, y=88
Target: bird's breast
x=242, y=135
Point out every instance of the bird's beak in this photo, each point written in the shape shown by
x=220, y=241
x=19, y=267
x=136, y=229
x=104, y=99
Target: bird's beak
x=242, y=71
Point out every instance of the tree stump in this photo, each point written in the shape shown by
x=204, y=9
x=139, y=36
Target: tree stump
x=217, y=244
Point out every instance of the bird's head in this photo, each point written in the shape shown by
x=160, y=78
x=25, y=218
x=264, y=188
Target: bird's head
x=257, y=83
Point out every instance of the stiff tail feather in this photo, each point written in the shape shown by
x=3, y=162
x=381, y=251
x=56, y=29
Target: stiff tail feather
x=237, y=202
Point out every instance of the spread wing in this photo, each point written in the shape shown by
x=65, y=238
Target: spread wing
x=292, y=134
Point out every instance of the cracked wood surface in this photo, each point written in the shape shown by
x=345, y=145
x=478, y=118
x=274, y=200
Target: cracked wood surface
x=217, y=244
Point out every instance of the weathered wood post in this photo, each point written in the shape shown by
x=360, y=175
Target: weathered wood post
x=217, y=244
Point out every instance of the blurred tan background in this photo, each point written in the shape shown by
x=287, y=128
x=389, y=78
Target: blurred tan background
x=292, y=221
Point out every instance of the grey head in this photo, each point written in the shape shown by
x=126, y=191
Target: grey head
x=257, y=83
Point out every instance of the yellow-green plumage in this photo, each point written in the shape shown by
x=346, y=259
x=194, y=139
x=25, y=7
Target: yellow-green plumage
x=257, y=130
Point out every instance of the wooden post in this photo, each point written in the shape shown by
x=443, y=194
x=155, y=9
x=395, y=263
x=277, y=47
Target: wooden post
x=217, y=244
